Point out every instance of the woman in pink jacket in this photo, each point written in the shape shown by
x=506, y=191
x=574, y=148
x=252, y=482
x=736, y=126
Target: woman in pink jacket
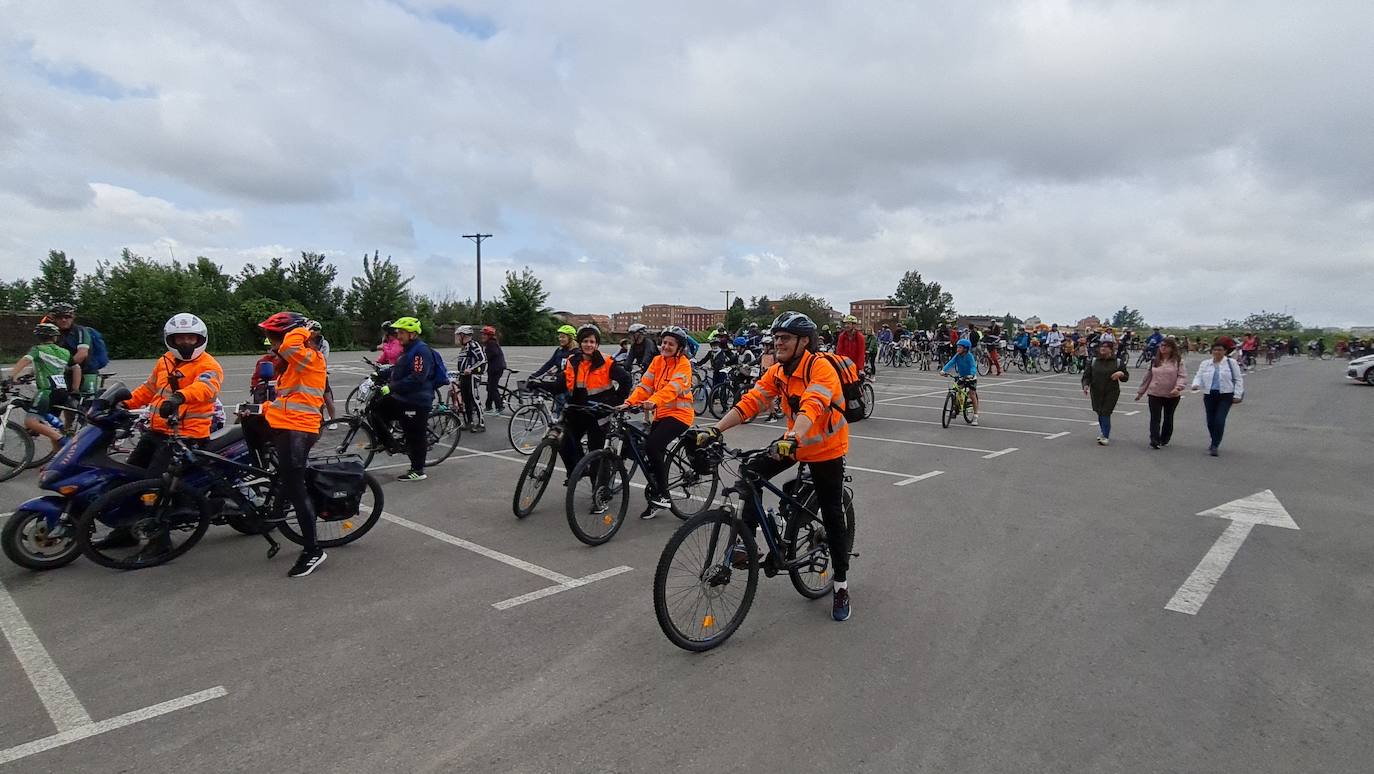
x=1164, y=383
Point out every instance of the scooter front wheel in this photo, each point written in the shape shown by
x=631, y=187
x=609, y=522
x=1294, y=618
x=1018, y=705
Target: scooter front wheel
x=29, y=543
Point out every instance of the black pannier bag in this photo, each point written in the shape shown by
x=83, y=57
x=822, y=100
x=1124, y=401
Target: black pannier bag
x=336, y=485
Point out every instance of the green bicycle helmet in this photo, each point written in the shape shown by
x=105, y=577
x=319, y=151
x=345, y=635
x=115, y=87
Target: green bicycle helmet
x=567, y=330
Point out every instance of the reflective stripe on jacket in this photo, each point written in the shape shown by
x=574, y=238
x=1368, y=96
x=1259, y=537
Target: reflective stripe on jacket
x=199, y=381
x=821, y=400
x=586, y=380
x=667, y=385
x=300, y=387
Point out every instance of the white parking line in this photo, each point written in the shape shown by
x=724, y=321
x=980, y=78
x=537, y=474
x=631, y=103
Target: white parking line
x=1059, y=434
x=967, y=427
x=68, y=715
x=921, y=477
x=922, y=443
x=998, y=453
x=1000, y=414
x=562, y=582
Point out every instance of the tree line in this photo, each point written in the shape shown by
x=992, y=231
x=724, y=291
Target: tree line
x=130, y=298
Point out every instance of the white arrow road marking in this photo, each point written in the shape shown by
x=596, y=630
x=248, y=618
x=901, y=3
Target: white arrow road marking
x=1259, y=508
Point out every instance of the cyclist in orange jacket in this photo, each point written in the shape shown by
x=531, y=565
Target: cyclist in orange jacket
x=666, y=393
x=817, y=432
x=294, y=418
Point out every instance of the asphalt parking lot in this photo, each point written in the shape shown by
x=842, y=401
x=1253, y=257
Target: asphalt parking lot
x=1024, y=601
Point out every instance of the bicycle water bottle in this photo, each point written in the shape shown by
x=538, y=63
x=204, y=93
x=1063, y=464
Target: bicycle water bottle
x=53, y=420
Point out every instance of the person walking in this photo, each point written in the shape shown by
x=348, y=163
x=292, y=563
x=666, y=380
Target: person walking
x=496, y=368
x=1163, y=383
x=1224, y=382
x=1102, y=383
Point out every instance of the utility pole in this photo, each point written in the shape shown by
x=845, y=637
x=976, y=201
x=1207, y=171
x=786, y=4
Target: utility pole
x=478, y=239
x=727, y=299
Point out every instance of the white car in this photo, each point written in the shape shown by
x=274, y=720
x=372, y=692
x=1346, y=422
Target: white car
x=1361, y=369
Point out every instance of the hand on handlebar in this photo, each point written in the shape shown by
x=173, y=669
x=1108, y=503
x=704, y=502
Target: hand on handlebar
x=783, y=448
x=706, y=437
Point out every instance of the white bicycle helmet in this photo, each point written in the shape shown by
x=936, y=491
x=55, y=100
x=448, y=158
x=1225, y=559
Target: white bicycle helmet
x=185, y=323
x=639, y=328
x=465, y=330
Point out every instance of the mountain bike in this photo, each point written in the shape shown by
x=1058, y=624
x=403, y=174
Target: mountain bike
x=957, y=402
x=599, y=485
x=16, y=445
x=699, y=597
x=356, y=433
x=165, y=516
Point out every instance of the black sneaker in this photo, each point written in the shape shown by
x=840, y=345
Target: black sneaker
x=306, y=563
x=840, y=610
x=412, y=475
x=650, y=512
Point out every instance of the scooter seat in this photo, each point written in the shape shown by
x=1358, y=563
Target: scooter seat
x=224, y=438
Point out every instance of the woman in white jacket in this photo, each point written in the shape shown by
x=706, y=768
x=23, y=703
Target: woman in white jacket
x=1222, y=381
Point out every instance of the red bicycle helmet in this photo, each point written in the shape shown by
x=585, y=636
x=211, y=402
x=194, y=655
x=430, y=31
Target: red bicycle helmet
x=489, y=330
x=281, y=322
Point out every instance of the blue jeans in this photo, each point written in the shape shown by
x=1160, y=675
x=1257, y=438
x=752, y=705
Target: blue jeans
x=1217, y=405
x=1104, y=423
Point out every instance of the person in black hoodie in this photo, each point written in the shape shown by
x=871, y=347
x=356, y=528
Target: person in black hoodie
x=496, y=368
x=590, y=377
x=408, y=394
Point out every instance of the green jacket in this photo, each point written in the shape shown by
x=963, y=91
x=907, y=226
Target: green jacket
x=1101, y=388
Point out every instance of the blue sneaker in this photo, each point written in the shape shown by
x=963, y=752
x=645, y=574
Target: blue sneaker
x=840, y=611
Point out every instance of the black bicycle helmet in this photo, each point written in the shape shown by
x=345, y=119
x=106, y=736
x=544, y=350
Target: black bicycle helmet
x=794, y=323
x=46, y=330
x=589, y=330
x=678, y=333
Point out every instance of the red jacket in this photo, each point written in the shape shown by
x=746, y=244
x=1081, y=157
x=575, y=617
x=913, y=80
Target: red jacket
x=851, y=345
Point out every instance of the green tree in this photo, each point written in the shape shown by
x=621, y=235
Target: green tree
x=520, y=314
x=311, y=279
x=929, y=303
x=56, y=281
x=1264, y=321
x=818, y=309
x=380, y=294
x=736, y=316
x=1127, y=318
x=17, y=296
x=761, y=310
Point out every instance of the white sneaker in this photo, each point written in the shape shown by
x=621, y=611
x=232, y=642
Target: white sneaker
x=975, y=420
x=1103, y=441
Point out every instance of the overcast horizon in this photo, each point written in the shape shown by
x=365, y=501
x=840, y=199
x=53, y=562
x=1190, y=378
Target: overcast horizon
x=1197, y=161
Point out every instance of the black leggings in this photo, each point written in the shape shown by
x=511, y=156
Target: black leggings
x=1161, y=418
x=414, y=422
x=494, y=394
x=293, y=449
x=661, y=433
x=471, y=408
x=828, y=479
x=578, y=424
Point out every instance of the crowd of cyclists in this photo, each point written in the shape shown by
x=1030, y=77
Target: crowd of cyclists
x=784, y=371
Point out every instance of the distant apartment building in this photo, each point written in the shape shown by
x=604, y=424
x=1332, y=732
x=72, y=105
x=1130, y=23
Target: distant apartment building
x=1089, y=323
x=601, y=321
x=873, y=312
x=660, y=316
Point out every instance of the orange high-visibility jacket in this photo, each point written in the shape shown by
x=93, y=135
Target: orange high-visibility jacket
x=667, y=385
x=820, y=399
x=199, y=381
x=581, y=373
x=300, y=387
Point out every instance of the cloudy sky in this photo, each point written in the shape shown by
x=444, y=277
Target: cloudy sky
x=1196, y=160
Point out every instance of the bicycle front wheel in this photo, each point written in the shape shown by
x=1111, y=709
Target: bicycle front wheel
x=689, y=491
x=142, y=524
x=699, y=597
x=349, y=435
x=721, y=400
x=598, y=497
x=870, y=399
x=534, y=478
x=442, y=433
x=527, y=427
x=948, y=412
x=16, y=449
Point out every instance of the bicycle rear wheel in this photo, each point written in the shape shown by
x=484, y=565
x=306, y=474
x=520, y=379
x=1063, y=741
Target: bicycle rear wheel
x=442, y=433
x=147, y=515
x=968, y=409
x=699, y=599
x=598, y=497
x=689, y=491
x=948, y=412
x=534, y=478
x=16, y=449
x=338, y=532
x=870, y=399
x=527, y=427
x=806, y=534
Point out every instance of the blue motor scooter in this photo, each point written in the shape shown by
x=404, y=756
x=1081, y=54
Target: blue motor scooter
x=40, y=534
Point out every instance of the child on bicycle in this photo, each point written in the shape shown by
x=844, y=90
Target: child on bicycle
x=967, y=368
x=53, y=372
